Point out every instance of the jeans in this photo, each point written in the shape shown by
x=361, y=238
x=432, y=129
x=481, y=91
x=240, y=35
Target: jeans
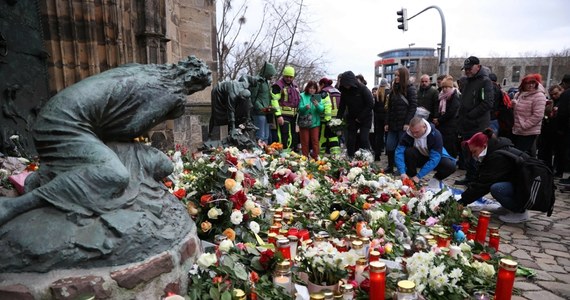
x=414, y=160
x=260, y=121
x=504, y=193
x=393, y=138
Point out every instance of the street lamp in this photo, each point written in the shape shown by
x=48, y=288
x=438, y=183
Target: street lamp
x=410, y=48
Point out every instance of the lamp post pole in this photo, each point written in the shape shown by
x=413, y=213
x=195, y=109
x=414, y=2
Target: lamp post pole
x=410, y=48
x=442, y=52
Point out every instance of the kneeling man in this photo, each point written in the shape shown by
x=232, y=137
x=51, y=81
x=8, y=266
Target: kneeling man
x=422, y=147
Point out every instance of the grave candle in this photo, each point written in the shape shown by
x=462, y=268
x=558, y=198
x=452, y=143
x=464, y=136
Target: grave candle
x=505, y=279
x=377, y=280
x=494, y=241
x=482, y=225
x=359, y=271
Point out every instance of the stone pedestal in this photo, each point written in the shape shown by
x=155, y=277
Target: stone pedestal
x=152, y=278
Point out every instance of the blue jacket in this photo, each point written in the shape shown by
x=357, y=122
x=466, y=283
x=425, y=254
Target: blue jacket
x=434, y=144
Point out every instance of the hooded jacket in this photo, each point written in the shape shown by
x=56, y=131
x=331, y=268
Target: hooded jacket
x=399, y=113
x=494, y=167
x=259, y=88
x=528, y=108
x=356, y=100
x=477, y=97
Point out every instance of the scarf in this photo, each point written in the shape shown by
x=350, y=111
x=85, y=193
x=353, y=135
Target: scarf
x=443, y=97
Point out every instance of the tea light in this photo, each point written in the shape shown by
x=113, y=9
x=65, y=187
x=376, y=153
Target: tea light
x=481, y=296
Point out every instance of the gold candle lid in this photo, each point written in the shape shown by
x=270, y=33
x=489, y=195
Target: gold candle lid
x=493, y=229
x=377, y=266
x=328, y=294
x=287, y=209
x=357, y=245
x=406, y=286
x=495, y=234
x=317, y=296
x=365, y=240
x=284, y=265
x=347, y=288
x=484, y=213
x=374, y=253
x=507, y=264
x=361, y=262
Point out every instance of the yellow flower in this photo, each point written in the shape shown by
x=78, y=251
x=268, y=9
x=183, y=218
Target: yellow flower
x=256, y=212
x=206, y=226
x=230, y=184
x=334, y=215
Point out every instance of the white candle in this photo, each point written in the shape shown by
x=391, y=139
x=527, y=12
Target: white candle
x=358, y=273
x=283, y=281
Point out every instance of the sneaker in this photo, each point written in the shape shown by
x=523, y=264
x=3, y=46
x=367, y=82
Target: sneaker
x=514, y=217
x=484, y=204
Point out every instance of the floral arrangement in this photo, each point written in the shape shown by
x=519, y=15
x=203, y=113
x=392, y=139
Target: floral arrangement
x=337, y=125
x=324, y=264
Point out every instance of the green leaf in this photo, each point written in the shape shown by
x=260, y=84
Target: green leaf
x=226, y=296
x=240, y=272
x=228, y=261
x=214, y=293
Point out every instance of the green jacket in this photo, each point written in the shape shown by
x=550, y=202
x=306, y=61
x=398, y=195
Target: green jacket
x=259, y=88
x=314, y=110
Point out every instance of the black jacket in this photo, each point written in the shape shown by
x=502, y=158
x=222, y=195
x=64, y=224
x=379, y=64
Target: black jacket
x=357, y=100
x=399, y=113
x=477, y=97
x=448, y=121
x=494, y=168
x=428, y=99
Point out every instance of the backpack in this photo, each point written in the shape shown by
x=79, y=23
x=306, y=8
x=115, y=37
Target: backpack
x=534, y=182
x=507, y=100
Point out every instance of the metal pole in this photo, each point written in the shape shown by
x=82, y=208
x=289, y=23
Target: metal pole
x=443, y=30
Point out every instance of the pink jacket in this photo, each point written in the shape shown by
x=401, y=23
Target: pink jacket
x=528, y=108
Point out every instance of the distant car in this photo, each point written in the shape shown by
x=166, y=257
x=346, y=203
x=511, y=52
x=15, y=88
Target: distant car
x=512, y=91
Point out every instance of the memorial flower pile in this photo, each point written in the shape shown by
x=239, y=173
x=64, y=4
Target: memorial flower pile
x=244, y=195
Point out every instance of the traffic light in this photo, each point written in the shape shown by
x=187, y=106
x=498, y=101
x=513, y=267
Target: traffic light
x=403, y=19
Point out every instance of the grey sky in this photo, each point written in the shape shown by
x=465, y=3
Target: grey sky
x=361, y=29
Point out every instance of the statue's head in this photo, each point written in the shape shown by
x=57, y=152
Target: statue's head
x=194, y=73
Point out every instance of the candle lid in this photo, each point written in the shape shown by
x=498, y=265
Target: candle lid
x=319, y=238
x=281, y=243
x=347, y=288
x=495, y=234
x=374, y=253
x=406, y=286
x=361, y=262
x=493, y=229
x=317, y=296
x=471, y=231
x=507, y=264
x=293, y=238
x=280, y=209
x=484, y=213
x=284, y=265
x=357, y=245
x=338, y=296
x=287, y=209
x=328, y=294
x=365, y=240
x=377, y=266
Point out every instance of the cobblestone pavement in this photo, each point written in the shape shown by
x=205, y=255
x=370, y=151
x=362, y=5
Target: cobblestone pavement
x=541, y=243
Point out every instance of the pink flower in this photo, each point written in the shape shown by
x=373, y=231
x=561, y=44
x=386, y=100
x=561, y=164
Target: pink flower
x=431, y=221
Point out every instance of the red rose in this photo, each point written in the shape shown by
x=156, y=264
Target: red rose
x=404, y=208
x=265, y=258
x=238, y=199
x=180, y=193
x=231, y=159
x=353, y=198
x=384, y=197
x=205, y=199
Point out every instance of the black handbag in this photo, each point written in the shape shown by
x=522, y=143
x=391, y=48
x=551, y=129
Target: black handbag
x=305, y=121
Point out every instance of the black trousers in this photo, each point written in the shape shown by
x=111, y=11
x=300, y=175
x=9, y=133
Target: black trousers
x=414, y=160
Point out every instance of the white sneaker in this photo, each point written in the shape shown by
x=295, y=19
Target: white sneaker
x=514, y=217
x=484, y=204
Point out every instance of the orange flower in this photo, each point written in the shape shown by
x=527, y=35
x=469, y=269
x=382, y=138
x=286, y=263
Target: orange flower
x=256, y=212
x=254, y=277
x=180, y=193
x=230, y=234
x=205, y=199
x=366, y=206
x=206, y=226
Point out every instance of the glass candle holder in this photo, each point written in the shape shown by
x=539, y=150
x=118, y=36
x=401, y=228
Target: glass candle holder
x=443, y=240
x=272, y=238
x=374, y=256
x=505, y=279
x=377, y=280
x=357, y=248
x=494, y=240
x=347, y=291
x=479, y=295
x=282, y=276
x=482, y=225
x=293, y=244
x=359, y=270
x=406, y=290
x=465, y=225
x=304, y=234
x=283, y=245
x=471, y=234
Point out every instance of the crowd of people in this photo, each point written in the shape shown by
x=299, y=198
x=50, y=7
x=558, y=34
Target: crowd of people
x=455, y=123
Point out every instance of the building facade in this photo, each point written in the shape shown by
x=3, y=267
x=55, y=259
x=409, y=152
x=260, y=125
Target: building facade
x=509, y=70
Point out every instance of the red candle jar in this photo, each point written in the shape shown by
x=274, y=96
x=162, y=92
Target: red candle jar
x=377, y=280
x=494, y=241
x=274, y=229
x=304, y=234
x=482, y=225
x=284, y=247
x=465, y=225
x=350, y=272
x=505, y=279
x=272, y=238
x=471, y=234
x=374, y=256
x=293, y=231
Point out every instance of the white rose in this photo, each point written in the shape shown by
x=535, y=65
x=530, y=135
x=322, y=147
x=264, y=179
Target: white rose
x=249, y=205
x=206, y=260
x=254, y=227
x=214, y=212
x=226, y=245
x=236, y=217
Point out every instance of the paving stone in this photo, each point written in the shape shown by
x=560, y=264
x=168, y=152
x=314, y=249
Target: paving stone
x=527, y=286
x=562, y=289
x=563, y=261
x=564, y=276
x=529, y=264
x=554, y=246
x=543, y=275
x=542, y=255
x=557, y=253
x=520, y=254
x=546, y=295
x=550, y=267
